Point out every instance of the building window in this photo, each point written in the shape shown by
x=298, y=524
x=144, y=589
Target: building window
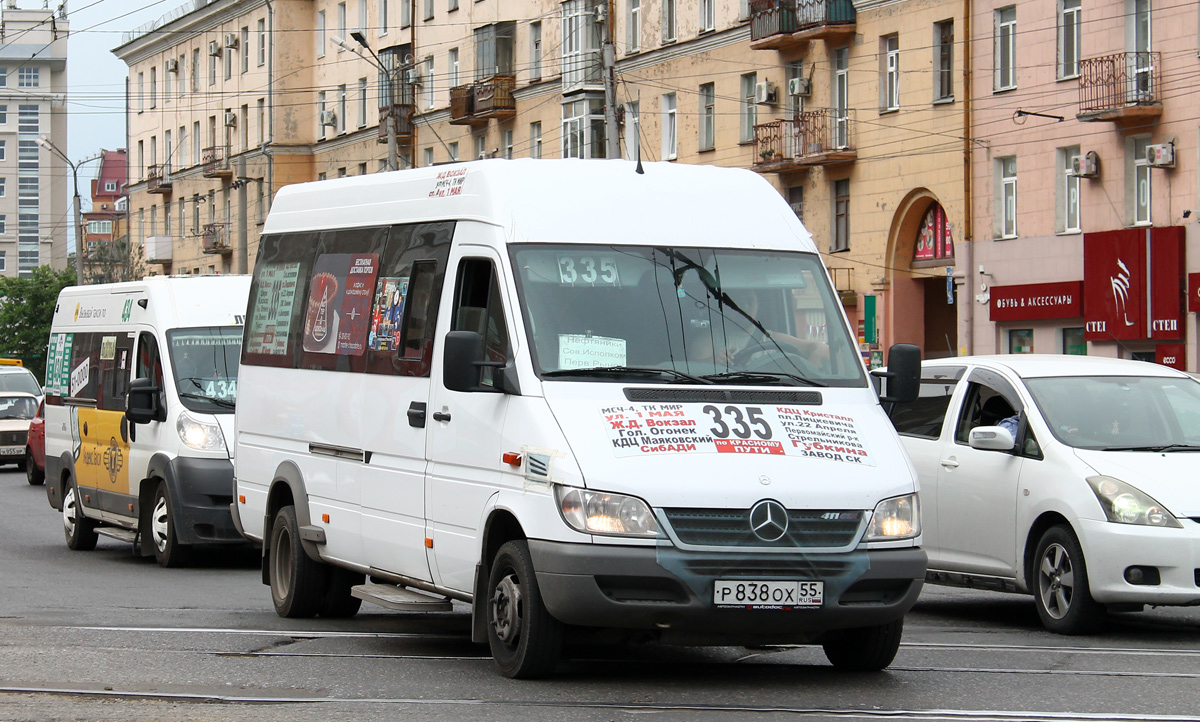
x=3, y=261
x=494, y=50
x=506, y=140
x=428, y=157
x=154, y=87
x=1069, y=36
x=1073, y=342
x=841, y=217
x=1006, y=200
x=341, y=23
x=452, y=62
x=262, y=43
x=228, y=55
x=429, y=82
x=668, y=21
x=708, y=15
x=480, y=146
x=244, y=46
x=341, y=109
x=633, y=27
x=669, y=127
x=580, y=44
x=195, y=70
x=383, y=16
x=749, y=114
x=453, y=151
x=633, y=130
x=321, y=39
x=362, y=16
x=583, y=128
x=429, y=9
x=796, y=201
x=109, y=186
x=890, y=83
x=3, y=154
x=3, y=187
x=405, y=14
x=708, y=116
x=943, y=60
x=141, y=92
x=1068, y=190
x=535, y=51
x=212, y=69
x=180, y=73
x=362, y=102
x=1020, y=340
x=261, y=107
x=321, y=108
x=29, y=77
x=1141, y=181
x=841, y=95
x=535, y=140
x=452, y=5
x=1005, y=57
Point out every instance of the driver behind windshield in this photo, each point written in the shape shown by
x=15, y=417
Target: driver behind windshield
x=744, y=340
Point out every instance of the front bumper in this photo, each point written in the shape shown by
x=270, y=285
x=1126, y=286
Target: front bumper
x=202, y=491
x=1109, y=549
x=630, y=588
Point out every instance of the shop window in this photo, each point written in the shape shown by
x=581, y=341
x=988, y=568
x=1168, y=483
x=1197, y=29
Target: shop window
x=1020, y=340
x=1073, y=342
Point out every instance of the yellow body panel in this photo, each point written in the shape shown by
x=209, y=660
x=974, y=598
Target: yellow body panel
x=103, y=461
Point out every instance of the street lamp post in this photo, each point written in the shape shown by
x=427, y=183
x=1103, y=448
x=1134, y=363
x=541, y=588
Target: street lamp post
x=393, y=150
x=79, y=244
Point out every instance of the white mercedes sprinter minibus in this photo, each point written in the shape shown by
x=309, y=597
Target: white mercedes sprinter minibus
x=141, y=380
x=573, y=394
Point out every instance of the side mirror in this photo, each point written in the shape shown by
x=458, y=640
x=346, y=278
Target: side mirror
x=141, y=403
x=463, y=363
x=903, y=374
x=991, y=438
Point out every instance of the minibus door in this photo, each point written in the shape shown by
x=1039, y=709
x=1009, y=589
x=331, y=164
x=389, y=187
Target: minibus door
x=146, y=439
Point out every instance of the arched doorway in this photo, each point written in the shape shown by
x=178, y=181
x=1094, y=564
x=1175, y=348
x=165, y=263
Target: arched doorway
x=924, y=307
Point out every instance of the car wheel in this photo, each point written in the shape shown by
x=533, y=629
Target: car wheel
x=1064, y=601
x=338, y=602
x=80, y=531
x=168, y=552
x=866, y=649
x=525, y=640
x=34, y=475
x=298, y=584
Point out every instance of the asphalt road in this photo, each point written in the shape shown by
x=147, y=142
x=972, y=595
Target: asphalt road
x=104, y=635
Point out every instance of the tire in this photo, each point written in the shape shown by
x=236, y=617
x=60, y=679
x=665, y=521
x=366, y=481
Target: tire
x=338, y=603
x=525, y=640
x=867, y=649
x=168, y=552
x=34, y=475
x=1060, y=584
x=80, y=531
x=298, y=584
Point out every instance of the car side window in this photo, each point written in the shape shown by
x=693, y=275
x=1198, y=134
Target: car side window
x=925, y=416
x=478, y=307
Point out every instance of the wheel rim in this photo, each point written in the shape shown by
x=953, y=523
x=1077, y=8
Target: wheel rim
x=69, y=511
x=281, y=570
x=160, y=524
x=1056, y=581
x=506, y=606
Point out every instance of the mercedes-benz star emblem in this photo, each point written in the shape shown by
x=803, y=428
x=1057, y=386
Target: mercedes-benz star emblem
x=768, y=520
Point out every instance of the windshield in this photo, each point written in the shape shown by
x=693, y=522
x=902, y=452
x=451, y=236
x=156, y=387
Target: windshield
x=204, y=362
x=17, y=407
x=22, y=381
x=1120, y=412
x=683, y=315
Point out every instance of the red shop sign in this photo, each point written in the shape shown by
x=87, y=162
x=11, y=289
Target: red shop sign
x=1035, y=301
x=1193, y=304
x=1171, y=354
x=1166, y=283
x=1114, y=278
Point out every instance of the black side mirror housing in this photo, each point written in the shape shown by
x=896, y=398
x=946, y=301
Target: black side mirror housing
x=464, y=360
x=903, y=374
x=142, y=402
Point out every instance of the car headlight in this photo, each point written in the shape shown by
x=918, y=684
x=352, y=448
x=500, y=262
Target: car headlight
x=1126, y=504
x=896, y=518
x=595, y=512
x=199, y=435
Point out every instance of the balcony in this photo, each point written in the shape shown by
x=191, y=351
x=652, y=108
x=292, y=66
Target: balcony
x=813, y=138
x=462, y=106
x=214, y=239
x=783, y=24
x=216, y=162
x=772, y=23
x=824, y=20
x=158, y=249
x=494, y=97
x=158, y=179
x=1121, y=86
x=404, y=123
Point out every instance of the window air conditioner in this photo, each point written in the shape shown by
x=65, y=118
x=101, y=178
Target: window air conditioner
x=329, y=118
x=800, y=87
x=764, y=92
x=172, y=66
x=231, y=40
x=1161, y=155
x=214, y=48
x=230, y=119
x=413, y=76
x=1085, y=166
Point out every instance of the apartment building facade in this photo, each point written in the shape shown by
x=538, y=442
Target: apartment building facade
x=35, y=216
x=104, y=224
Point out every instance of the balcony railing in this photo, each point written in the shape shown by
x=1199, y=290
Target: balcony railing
x=216, y=162
x=404, y=123
x=158, y=179
x=781, y=24
x=1119, y=86
x=811, y=13
x=462, y=106
x=214, y=239
x=494, y=97
x=818, y=137
x=772, y=23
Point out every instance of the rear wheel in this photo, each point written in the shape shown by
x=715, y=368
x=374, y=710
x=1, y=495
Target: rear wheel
x=868, y=649
x=167, y=549
x=338, y=602
x=525, y=640
x=80, y=531
x=1064, y=600
x=298, y=584
x=33, y=474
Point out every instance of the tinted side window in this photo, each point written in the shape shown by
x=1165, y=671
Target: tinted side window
x=478, y=307
x=116, y=357
x=924, y=416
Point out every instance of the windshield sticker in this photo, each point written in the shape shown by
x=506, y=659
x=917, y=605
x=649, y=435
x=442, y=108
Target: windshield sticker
x=108, y=348
x=80, y=376
x=58, y=375
x=271, y=317
x=638, y=429
x=580, y=351
x=449, y=183
x=339, y=303
x=388, y=315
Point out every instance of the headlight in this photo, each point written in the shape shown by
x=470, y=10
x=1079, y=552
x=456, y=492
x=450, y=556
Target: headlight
x=895, y=518
x=1126, y=504
x=594, y=512
x=199, y=435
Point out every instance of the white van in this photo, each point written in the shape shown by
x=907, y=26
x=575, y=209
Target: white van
x=141, y=380
x=572, y=394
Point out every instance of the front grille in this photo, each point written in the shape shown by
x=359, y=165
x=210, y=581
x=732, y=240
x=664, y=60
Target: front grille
x=724, y=395
x=807, y=528
x=789, y=568
x=13, y=438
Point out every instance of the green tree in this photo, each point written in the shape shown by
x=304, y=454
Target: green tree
x=26, y=311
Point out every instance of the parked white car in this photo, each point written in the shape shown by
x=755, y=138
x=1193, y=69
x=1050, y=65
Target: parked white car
x=1092, y=503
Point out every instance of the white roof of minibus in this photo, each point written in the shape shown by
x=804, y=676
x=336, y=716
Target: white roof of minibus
x=560, y=201
x=174, y=301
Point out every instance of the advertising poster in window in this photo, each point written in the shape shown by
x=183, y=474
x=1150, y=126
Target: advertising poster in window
x=58, y=371
x=339, y=303
x=388, y=314
x=271, y=314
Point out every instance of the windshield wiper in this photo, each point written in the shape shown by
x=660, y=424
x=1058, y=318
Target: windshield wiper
x=1159, y=448
x=618, y=371
x=761, y=377
x=223, y=403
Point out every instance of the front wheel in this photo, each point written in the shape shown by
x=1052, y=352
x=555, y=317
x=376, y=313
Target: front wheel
x=298, y=584
x=525, y=640
x=1064, y=600
x=34, y=475
x=868, y=649
x=168, y=552
x=80, y=531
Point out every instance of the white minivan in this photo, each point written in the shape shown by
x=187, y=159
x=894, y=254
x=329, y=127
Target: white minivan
x=141, y=383
x=574, y=394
